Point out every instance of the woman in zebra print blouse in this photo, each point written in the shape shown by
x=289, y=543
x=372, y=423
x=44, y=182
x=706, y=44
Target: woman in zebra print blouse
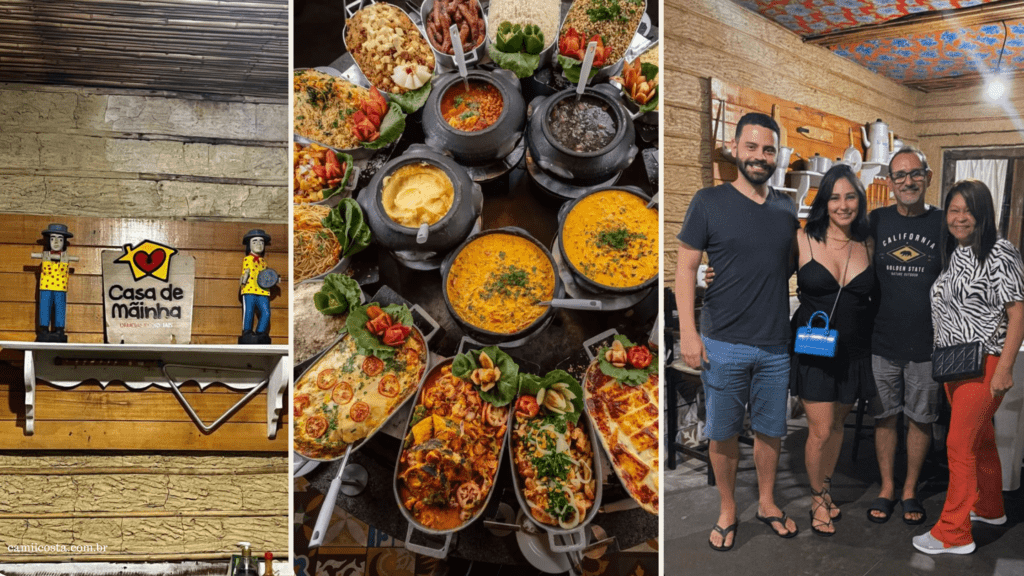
x=979, y=296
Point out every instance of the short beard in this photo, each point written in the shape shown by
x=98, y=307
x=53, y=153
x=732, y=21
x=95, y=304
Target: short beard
x=756, y=181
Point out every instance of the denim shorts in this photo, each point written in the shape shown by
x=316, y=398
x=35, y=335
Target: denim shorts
x=737, y=375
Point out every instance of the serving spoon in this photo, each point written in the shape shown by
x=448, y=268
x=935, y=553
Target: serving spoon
x=588, y=62
x=571, y=304
x=460, y=56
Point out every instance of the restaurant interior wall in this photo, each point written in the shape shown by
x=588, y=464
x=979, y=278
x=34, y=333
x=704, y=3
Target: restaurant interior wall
x=125, y=155
x=966, y=118
x=726, y=41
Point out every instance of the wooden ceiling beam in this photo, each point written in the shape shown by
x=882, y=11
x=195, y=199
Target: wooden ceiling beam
x=924, y=23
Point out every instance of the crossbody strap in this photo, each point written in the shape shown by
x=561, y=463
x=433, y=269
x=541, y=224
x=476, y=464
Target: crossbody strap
x=842, y=280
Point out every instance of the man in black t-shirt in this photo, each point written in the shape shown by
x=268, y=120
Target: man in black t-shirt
x=907, y=262
x=742, y=348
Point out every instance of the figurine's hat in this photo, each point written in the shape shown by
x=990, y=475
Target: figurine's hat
x=255, y=233
x=60, y=229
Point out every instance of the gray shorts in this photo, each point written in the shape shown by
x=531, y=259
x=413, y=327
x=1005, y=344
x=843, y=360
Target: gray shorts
x=904, y=387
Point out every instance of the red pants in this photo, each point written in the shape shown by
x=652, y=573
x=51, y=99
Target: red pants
x=975, y=475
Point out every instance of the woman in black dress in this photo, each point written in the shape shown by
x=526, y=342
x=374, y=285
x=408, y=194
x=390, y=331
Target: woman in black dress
x=834, y=276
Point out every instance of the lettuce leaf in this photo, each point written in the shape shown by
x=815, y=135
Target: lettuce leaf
x=504, y=392
x=348, y=162
x=650, y=71
x=349, y=226
x=366, y=342
x=627, y=376
x=410, y=101
x=391, y=128
x=520, y=63
x=571, y=69
x=338, y=295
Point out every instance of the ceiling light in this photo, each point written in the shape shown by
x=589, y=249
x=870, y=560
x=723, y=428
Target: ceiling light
x=995, y=89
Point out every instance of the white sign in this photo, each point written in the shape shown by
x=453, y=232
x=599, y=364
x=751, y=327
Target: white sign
x=148, y=294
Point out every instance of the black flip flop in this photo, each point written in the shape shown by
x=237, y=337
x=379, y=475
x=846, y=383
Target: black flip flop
x=913, y=506
x=882, y=505
x=769, y=520
x=725, y=536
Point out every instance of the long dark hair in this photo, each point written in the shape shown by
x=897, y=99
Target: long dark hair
x=978, y=198
x=817, y=221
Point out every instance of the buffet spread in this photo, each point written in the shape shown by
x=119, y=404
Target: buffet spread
x=450, y=154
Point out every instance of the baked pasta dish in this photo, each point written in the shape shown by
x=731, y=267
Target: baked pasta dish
x=347, y=395
x=451, y=452
x=555, y=463
x=626, y=419
x=611, y=237
x=496, y=280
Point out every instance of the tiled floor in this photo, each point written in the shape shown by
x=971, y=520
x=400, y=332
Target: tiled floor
x=859, y=547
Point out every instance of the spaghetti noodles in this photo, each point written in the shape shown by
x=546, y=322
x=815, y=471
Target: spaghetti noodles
x=315, y=247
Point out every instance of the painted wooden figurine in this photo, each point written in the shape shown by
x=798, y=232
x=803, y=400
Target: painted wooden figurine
x=53, y=283
x=256, y=281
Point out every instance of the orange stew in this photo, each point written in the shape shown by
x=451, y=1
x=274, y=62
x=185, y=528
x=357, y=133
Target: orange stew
x=473, y=109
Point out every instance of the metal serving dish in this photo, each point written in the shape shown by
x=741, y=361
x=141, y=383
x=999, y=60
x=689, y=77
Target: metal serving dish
x=415, y=525
x=614, y=68
x=576, y=537
x=448, y=60
x=577, y=275
x=350, y=11
x=357, y=153
x=486, y=336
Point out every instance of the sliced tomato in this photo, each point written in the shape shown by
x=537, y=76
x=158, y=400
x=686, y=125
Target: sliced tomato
x=359, y=411
x=388, y=386
x=299, y=404
x=342, y=393
x=326, y=379
x=316, y=426
x=373, y=366
x=495, y=416
x=527, y=407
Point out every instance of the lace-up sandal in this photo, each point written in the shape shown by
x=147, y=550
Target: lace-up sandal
x=817, y=525
x=833, y=510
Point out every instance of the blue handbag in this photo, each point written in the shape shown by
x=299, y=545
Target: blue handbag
x=816, y=341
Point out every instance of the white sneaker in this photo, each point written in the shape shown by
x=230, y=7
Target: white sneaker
x=931, y=545
x=995, y=521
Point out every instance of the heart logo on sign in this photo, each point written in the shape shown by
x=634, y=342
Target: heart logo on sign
x=148, y=259
x=151, y=262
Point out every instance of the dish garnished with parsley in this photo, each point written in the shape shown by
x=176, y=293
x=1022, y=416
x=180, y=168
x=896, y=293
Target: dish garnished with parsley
x=551, y=451
x=611, y=237
x=496, y=281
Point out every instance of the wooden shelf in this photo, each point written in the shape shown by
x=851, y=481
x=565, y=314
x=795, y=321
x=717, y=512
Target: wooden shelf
x=138, y=367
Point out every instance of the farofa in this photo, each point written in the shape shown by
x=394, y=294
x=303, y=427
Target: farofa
x=617, y=34
x=324, y=106
x=381, y=38
x=543, y=13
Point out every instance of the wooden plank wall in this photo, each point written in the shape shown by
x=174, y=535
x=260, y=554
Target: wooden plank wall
x=730, y=103
x=726, y=41
x=90, y=418
x=143, y=508
x=124, y=469
x=966, y=118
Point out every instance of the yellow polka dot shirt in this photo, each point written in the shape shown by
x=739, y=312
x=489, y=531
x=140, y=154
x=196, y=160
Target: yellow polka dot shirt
x=254, y=267
x=54, y=276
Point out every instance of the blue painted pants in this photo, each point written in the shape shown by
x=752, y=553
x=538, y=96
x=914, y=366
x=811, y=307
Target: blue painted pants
x=259, y=304
x=58, y=301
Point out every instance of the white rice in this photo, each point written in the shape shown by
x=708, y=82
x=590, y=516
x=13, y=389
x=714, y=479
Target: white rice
x=543, y=13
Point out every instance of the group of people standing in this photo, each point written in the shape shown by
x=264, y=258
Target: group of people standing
x=895, y=283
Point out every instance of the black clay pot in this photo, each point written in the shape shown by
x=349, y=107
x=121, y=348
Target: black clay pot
x=443, y=235
x=492, y=143
x=578, y=275
x=594, y=167
x=487, y=336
